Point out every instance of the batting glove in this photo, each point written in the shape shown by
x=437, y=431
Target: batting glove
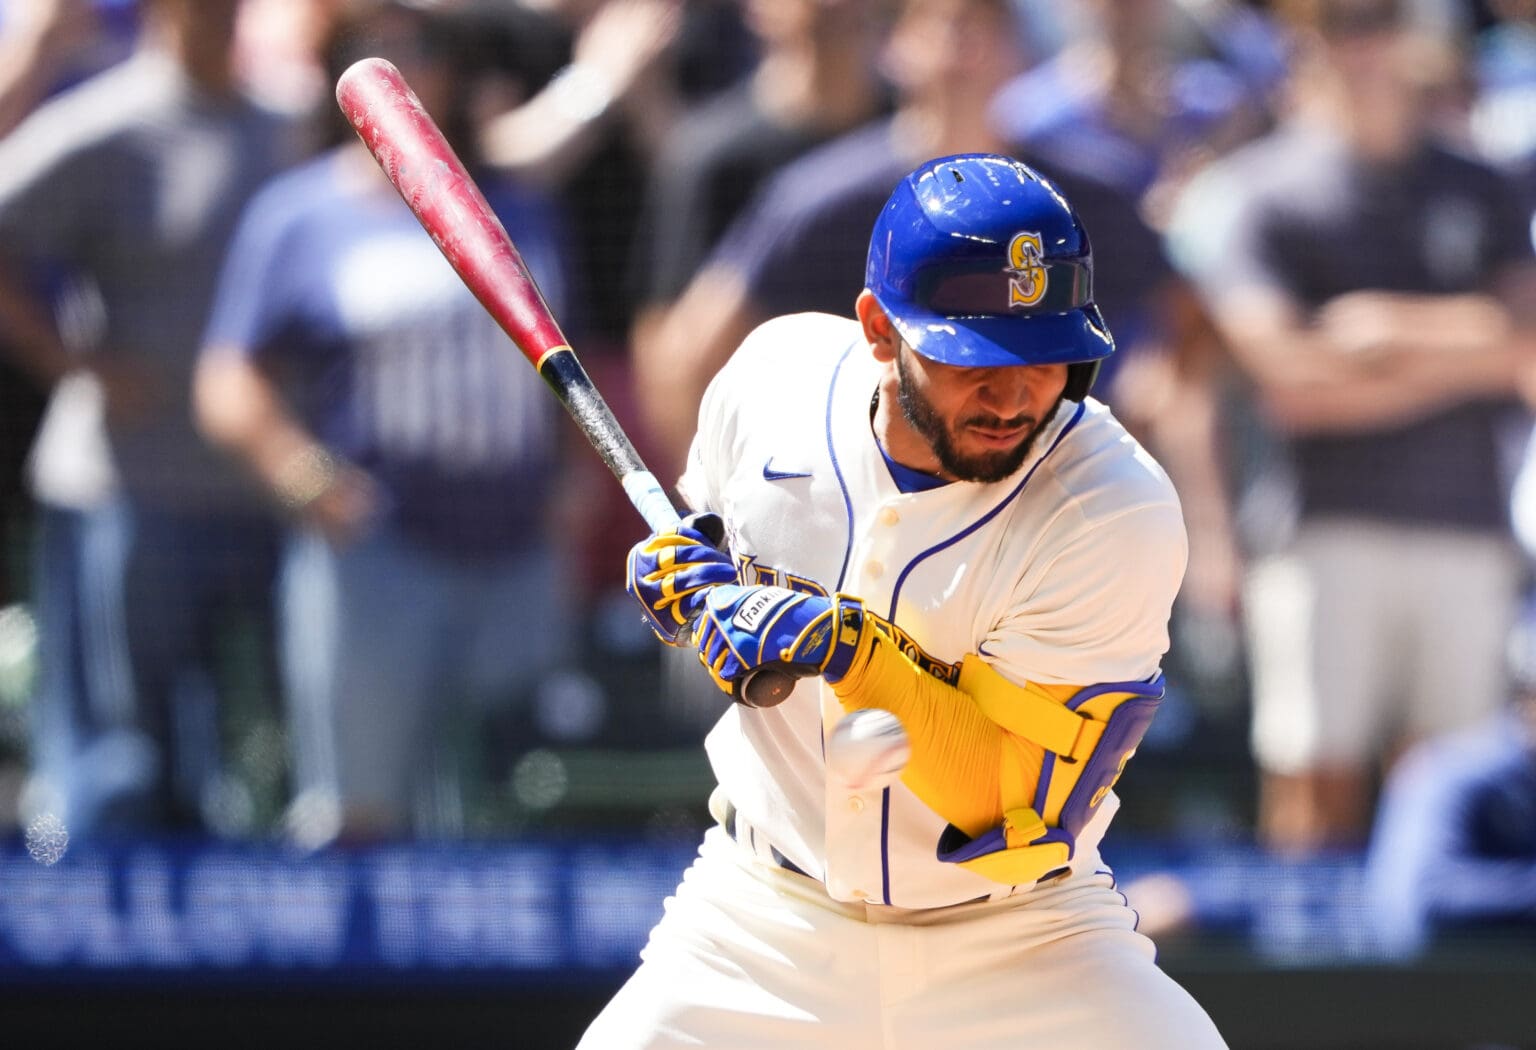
x=669, y=573
x=744, y=628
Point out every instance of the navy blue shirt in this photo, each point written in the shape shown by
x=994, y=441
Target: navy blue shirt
x=389, y=359
x=1313, y=223
x=803, y=244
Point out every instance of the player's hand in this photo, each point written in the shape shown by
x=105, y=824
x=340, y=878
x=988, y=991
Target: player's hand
x=744, y=628
x=669, y=573
x=626, y=39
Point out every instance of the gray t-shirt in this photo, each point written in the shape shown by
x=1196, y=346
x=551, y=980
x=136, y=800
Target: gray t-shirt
x=131, y=184
x=1295, y=213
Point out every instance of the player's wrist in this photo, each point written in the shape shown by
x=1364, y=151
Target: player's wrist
x=872, y=651
x=581, y=93
x=852, y=639
x=304, y=476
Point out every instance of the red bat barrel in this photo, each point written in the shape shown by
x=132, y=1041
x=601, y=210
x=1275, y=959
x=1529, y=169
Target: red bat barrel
x=408, y=145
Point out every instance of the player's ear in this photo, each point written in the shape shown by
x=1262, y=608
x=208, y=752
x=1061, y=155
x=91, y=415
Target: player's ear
x=881, y=335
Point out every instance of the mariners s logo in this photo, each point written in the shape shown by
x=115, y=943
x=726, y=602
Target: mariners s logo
x=1026, y=260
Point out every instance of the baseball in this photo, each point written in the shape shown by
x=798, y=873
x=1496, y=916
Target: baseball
x=868, y=750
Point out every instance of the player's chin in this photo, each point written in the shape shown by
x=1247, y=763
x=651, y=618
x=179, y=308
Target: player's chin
x=986, y=457
x=987, y=467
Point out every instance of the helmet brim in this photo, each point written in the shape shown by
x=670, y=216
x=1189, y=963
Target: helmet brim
x=993, y=341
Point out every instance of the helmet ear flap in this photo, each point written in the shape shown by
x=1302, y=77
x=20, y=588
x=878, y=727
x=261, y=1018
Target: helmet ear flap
x=1080, y=377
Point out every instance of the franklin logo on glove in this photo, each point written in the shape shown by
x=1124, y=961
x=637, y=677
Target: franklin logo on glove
x=752, y=612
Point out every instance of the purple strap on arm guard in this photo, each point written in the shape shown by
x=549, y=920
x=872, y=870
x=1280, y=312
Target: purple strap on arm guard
x=1123, y=732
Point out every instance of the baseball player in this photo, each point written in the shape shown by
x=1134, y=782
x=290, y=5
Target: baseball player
x=924, y=512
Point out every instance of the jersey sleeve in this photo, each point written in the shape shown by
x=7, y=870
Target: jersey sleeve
x=1220, y=237
x=48, y=181
x=800, y=245
x=1097, y=610
x=253, y=289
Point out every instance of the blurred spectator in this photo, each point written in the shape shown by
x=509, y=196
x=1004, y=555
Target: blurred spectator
x=352, y=371
x=49, y=44
x=588, y=137
x=45, y=46
x=278, y=47
x=1454, y=845
x=1504, y=117
x=1133, y=101
x=1377, y=290
x=801, y=244
x=815, y=79
x=151, y=549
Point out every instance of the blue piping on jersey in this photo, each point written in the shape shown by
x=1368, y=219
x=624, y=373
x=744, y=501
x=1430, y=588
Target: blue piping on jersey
x=988, y=516
x=837, y=470
x=885, y=845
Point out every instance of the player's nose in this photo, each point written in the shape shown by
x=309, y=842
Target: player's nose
x=1020, y=389
x=1007, y=391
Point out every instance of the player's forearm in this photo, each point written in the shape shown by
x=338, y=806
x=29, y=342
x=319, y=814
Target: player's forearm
x=33, y=51
x=1454, y=325
x=1397, y=396
x=679, y=351
x=238, y=409
x=546, y=138
x=957, y=752
x=1273, y=346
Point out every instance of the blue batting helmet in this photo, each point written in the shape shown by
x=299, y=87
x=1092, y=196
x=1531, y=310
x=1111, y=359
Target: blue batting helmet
x=979, y=260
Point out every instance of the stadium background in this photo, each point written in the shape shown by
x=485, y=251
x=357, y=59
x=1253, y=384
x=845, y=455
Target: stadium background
x=576, y=806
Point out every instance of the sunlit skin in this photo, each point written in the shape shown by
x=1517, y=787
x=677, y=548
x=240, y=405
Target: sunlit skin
x=962, y=424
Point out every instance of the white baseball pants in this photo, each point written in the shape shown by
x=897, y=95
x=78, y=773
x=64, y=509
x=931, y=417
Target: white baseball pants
x=751, y=957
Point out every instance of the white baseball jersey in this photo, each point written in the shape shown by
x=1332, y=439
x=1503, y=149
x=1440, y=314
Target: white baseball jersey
x=1063, y=573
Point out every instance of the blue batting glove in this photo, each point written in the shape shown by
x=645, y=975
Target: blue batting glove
x=743, y=628
x=669, y=572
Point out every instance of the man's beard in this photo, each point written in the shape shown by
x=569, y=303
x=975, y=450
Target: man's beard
x=985, y=467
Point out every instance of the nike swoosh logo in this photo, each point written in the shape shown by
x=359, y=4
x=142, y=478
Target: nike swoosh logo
x=769, y=474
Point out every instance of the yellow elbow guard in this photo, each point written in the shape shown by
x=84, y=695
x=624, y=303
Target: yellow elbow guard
x=958, y=753
x=1088, y=739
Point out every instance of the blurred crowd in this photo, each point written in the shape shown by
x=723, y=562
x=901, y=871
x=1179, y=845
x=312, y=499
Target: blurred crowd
x=264, y=462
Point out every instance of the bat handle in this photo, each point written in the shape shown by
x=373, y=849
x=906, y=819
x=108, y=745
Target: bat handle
x=647, y=496
x=768, y=685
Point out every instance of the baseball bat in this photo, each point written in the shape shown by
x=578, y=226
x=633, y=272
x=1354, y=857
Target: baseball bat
x=432, y=180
